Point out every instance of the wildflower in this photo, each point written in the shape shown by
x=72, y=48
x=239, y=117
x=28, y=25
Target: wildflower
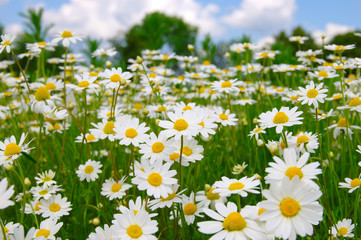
x=312, y=94
x=226, y=118
x=46, y=178
x=209, y=197
x=242, y=186
x=104, y=52
x=48, y=228
x=256, y=131
x=44, y=191
x=89, y=171
x=339, y=48
x=299, y=39
x=6, y=194
x=352, y=184
x=105, y=233
x=85, y=82
x=343, y=228
x=291, y=208
x=157, y=179
x=6, y=41
x=10, y=150
x=131, y=132
x=104, y=129
x=113, y=189
x=55, y=207
x=281, y=118
x=238, y=169
x=230, y=223
x=191, y=151
x=174, y=197
x=190, y=208
x=115, y=77
x=67, y=37
x=228, y=86
x=343, y=126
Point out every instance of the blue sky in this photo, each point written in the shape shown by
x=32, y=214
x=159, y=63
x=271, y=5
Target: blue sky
x=223, y=19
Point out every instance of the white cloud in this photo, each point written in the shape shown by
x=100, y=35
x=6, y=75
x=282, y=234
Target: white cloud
x=262, y=16
x=13, y=28
x=99, y=19
x=266, y=42
x=331, y=30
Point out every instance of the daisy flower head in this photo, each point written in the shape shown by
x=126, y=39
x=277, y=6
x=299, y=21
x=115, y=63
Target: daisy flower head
x=226, y=118
x=115, y=189
x=354, y=105
x=131, y=132
x=322, y=74
x=342, y=126
x=280, y=118
x=157, y=179
x=48, y=228
x=242, y=186
x=312, y=94
x=40, y=99
x=339, y=48
x=209, y=198
x=228, y=86
x=90, y=138
x=67, y=37
x=293, y=166
x=343, y=229
x=44, y=191
x=89, y=171
x=115, y=77
x=46, y=178
x=130, y=226
x=191, y=151
x=11, y=150
x=299, y=39
x=156, y=148
x=104, y=129
x=291, y=208
x=6, y=41
x=85, y=83
x=256, y=132
x=229, y=223
x=304, y=142
x=352, y=184
x=6, y=194
x=191, y=209
x=181, y=124
x=55, y=207
x=105, y=233
x=207, y=122
x=174, y=197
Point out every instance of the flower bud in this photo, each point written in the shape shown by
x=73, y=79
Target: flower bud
x=139, y=60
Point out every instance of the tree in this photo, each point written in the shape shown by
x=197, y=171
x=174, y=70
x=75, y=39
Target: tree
x=156, y=30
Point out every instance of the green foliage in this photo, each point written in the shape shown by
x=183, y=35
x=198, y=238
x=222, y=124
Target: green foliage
x=346, y=39
x=35, y=31
x=90, y=46
x=156, y=30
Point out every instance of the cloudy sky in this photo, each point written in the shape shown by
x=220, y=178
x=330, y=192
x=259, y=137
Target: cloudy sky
x=223, y=19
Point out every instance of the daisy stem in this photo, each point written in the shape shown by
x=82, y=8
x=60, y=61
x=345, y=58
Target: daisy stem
x=180, y=164
x=21, y=70
x=64, y=90
x=85, y=118
x=21, y=179
x=239, y=201
x=195, y=178
x=318, y=134
x=284, y=138
x=3, y=229
x=131, y=159
x=113, y=162
x=232, y=128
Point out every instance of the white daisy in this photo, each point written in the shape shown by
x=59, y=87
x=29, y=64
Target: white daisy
x=256, y=131
x=281, y=118
x=114, y=78
x=242, y=186
x=174, y=197
x=10, y=150
x=191, y=151
x=352, y=184
x=304, y=142
x=48, y=228
x=102, y=234
x=156, y=179
x=85, y=83
x=46, y=178
x=6, y=194
x=115, y=189
x=209, y=198
x=230, y=223
x=312, y=94
x=6, y=41
x=104, y=129
x=131, y=132
x=67, y=37
x=190, y=208
x=342, y=126
x=55, y=207
x=89, y=171
x=343, y=229
x=226, y=118
x=228, y=86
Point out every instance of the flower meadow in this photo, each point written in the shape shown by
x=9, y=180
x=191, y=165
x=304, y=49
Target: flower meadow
x=175, y=147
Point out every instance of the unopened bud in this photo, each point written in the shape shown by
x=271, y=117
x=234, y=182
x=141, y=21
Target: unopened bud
x=27, y=182
x=331, y=154
x=8, y=167
x=255, y=121
x=260, y=143
x=123, y=81
x=139, y=60
x=157, y=122
x=190, y=47
x=272, y=147
x=100, y=205
x=257, y=176
x=207, y=187
x=108, y=63
x=145, y=111
x=96, y=221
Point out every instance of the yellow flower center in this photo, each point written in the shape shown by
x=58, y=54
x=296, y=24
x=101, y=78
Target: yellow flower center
x=223, y=116
x=322, y=74
x=155, y=179
x=339, y=48
x=354, y=102
x=7, y=94
x=189, y=209
x=90, y=137
x=93, y=74
x=180, y=125
x=116, y=187
x=152, y=75
x=336, y=97
x=187, y=151
x=12, y=149
x=54, y=207
x=42, y=43
x=343, y=231
x=258, y=130
x=212, y=196
x=42, y=94
x=157, y=147
x=312, y=93
x=37, y=208
x=161, y=109
x=341, y=122
x=294, y=97
x=43, y=233
x=174, y=156
x=138, y=106
x=302, y=139
x=47, y=179
x=131, y=133
x=226, y=84
x=280, y=118
x=6, y=43
x=66, y=34
x=260, y=211
x=293, y=171
x=115, y=78
x=43, y=192
x=170, y=197
x=289, y=207
x=264, y=55
x=108, y=128
x=201, y=123
x=355, y=182
x=56, y=126
x=234, y=222
x=89, y=169
x=236, y=186
x=50, y=86
x=134, y=231
x=83, y=84
x=187, y=108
